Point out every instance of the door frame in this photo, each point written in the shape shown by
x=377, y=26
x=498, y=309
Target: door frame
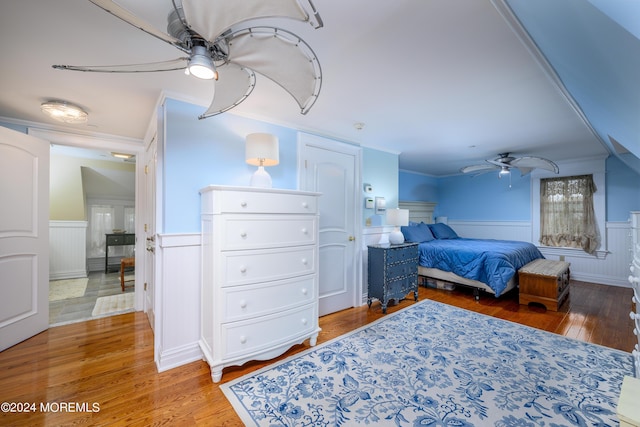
x=121, y=145
x=308, y=140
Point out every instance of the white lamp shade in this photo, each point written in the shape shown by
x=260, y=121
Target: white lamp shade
x=262, y=149
x=398, y=217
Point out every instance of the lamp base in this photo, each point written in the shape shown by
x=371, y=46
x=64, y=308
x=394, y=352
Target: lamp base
x=396, y=237
x=261, y=178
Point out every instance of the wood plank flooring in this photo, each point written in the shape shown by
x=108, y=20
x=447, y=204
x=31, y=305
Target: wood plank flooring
x=104, y=368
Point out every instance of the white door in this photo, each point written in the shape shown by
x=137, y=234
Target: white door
x=330, y=168
x=24, y=236
x=150, y=231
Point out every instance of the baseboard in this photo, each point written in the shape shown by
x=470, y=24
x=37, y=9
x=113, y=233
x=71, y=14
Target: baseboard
x=62, y=275
x=600, y=279
x=178, y=356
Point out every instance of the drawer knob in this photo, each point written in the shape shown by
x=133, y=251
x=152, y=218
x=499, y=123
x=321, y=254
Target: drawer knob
x=305, y=231
x=243, y=303
x=243, y=269
x=304, y=321
x=305, y=205
x=243, y=339
x=243, y=234
x=304, y=261
x=304, y=291
x=243, y=204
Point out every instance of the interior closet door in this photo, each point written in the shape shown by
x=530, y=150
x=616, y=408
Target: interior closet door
x=329, y=167
x=24, y=236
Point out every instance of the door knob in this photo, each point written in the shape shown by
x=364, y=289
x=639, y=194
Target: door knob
x=352, y=238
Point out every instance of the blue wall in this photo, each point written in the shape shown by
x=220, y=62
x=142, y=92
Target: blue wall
x=487, y=198
x=380, y=170
x=623, y=190
x=211, y=151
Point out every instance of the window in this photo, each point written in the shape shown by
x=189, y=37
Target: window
x=101, y=223
x=567, y=217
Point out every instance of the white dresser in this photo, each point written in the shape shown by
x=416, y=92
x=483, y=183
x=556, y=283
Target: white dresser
x=634, y=279
x=259, y=273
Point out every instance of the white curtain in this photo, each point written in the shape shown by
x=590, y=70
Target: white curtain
x=567, y=217
x=101, y=223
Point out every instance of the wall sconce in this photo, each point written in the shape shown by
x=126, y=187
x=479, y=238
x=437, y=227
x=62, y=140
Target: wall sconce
x=261, y=150
x=398, y=218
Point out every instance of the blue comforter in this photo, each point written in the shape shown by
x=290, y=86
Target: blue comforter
x=493, y=262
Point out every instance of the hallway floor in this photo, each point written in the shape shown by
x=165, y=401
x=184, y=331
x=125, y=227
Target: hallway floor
x=73, y=310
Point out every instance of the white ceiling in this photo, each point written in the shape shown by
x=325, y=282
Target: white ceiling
x=444, y=83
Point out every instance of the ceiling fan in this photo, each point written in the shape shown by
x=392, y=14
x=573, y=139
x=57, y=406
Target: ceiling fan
x=222, y=43
x=504, y=163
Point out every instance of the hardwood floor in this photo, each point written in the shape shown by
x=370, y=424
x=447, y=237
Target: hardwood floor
x=104, y=368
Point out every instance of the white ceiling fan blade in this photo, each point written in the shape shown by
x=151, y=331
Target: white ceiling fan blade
x=131, y=19
x=211, y=18
x=479, y=168
x=282, y=57
x=149, y=67
x=535, y=162
x=233, y=86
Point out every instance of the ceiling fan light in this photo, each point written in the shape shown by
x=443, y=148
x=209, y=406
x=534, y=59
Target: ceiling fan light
x=504, y=171
x=201, y=64
x=65, y=112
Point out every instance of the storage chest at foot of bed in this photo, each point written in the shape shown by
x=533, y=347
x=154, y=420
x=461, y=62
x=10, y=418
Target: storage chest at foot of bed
x=545, y=282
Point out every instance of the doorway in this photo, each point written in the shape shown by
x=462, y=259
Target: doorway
x=92, y=228
x=108, y=145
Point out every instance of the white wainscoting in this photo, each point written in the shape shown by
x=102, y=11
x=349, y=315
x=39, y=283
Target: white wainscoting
x=177, y=297
x=609, y=267
x=67, y=249
x=177, y=300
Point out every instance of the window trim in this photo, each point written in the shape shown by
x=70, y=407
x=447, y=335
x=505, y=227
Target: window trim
x=593, y=166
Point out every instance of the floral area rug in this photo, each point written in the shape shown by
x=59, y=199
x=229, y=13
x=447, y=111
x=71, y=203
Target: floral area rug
x=436, y=365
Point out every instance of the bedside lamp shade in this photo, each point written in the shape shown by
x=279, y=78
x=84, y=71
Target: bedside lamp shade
x=261, y=150
x=397, y=218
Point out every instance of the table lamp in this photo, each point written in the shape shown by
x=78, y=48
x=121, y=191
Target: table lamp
x=261, y=150
x=397, y=218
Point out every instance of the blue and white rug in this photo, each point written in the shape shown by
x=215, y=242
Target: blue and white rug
x=436, y=365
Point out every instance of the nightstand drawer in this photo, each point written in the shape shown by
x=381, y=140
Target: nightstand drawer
x=402, y=254
x=399, y=270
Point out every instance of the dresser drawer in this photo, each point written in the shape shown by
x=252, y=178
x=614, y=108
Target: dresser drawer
x=243, y=302
x=244, y=267
x=267, y=202
x=240, y=338
x=261, y=231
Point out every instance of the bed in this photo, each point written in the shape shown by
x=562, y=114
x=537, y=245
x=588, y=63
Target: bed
x=482, y=264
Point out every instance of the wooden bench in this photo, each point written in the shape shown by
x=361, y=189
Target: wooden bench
x=545, y=282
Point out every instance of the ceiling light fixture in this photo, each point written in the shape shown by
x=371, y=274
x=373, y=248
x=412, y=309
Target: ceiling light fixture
x=65, y=112
x=201, y=64
x=122, y=155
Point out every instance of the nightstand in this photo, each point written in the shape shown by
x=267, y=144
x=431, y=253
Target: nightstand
x=393, y=272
